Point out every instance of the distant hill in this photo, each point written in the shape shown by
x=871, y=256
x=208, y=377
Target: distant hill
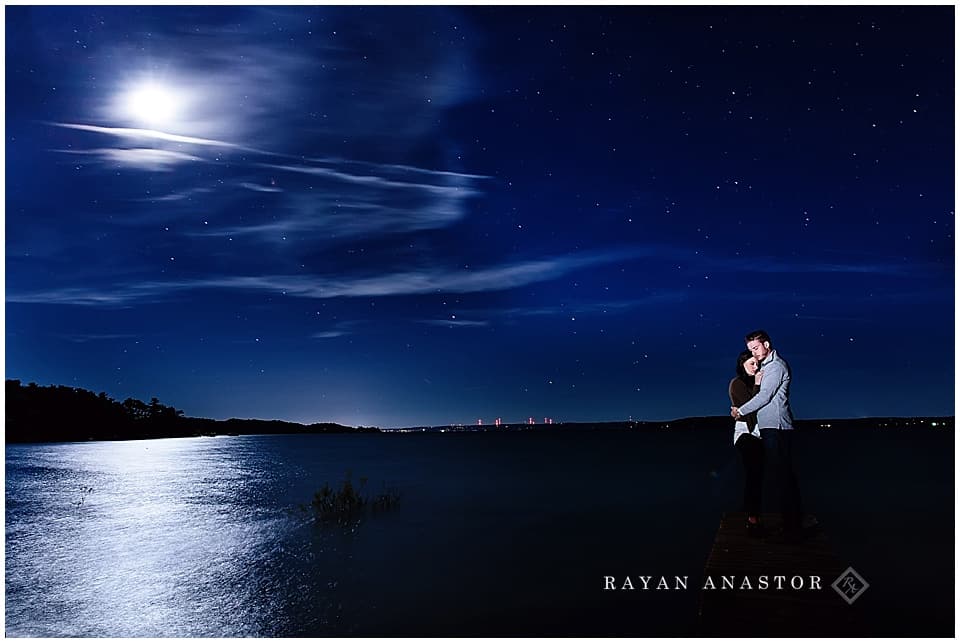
x=66, y=414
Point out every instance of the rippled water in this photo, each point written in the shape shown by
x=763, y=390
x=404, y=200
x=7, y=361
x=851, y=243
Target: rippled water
x=496, y=533
x=163, y=545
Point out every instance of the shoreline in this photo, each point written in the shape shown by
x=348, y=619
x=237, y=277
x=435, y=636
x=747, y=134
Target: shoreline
x=279, y=428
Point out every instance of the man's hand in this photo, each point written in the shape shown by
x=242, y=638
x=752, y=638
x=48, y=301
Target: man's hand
x=734, y=413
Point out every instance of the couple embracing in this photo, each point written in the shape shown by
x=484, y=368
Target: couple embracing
x=763, y=434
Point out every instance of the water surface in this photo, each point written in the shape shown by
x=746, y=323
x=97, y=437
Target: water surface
x=496, y=534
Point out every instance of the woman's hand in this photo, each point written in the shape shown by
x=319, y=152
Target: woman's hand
x=757, y=377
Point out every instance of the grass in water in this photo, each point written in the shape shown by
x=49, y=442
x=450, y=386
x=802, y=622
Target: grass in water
x=347, y=504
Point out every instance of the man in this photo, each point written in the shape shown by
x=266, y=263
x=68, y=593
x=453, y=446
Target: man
x=775, y=421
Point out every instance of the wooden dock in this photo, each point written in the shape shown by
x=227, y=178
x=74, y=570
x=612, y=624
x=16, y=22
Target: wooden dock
x=805, y=604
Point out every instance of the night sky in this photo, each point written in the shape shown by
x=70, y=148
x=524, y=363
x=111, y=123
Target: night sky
x=399, y=216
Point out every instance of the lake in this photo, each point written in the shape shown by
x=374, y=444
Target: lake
x=496, y=533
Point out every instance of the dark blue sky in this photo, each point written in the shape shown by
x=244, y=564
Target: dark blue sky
x=427, y=215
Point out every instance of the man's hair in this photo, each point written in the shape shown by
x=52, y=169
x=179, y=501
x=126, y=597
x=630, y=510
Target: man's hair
x=759, y=335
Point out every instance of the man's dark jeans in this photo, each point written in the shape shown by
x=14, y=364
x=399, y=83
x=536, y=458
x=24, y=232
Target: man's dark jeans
x=751, y=451
x=778, y=459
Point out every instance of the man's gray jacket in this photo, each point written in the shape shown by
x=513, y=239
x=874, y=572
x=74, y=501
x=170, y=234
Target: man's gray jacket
x=772, y=403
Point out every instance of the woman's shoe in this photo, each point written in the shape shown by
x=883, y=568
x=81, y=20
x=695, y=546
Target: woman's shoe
x=754, y=529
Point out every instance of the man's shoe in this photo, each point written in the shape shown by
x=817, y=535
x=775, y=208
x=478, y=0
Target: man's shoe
x=785, y=537
x=754, y=529
x=811, y=527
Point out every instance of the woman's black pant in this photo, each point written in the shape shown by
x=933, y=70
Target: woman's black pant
x=751, y=451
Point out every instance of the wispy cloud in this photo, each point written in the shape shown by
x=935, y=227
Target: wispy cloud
x=382, y=200
x=778, y=265
x=585, y=308
x=83, y=338
x=343, y=199
x=88, y=296
x=494, y=278
x=577, y=307
x=135, y=134
x=439, y=280
x=373, y=181
x=462, y=323
x=415, y=170
x=178, y=196
x=256, y=187
x=144, y=158
x=329, y=334
x=340, y=329
x=347, y=214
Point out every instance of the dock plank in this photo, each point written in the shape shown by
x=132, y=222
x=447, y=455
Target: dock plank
x=805, y=604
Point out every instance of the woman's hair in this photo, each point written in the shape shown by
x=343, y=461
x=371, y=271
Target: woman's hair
x=741, y=373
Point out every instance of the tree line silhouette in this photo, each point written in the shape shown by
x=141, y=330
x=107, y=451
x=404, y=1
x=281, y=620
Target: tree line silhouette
x=66, y=414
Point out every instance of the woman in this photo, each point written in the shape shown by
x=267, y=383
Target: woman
x=746, y=437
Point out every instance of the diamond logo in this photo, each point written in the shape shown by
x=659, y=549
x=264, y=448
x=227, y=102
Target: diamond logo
x=850, y=585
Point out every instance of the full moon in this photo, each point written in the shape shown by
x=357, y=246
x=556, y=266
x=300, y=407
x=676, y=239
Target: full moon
x=152, y=105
